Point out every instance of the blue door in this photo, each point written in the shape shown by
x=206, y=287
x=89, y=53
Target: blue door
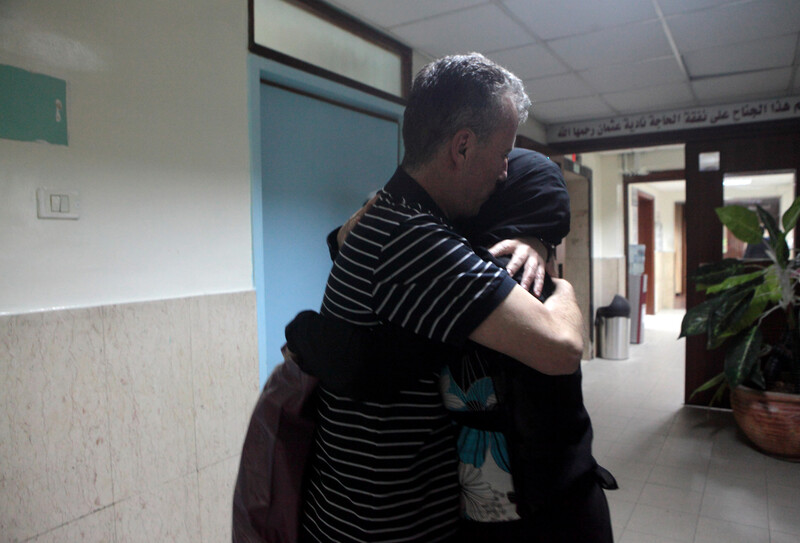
x=320, y=158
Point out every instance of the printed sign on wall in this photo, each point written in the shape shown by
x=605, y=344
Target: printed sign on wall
x=749, y=112
x=33, y=107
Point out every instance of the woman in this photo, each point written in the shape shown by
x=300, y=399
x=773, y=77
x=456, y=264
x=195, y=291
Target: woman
x=524, y=438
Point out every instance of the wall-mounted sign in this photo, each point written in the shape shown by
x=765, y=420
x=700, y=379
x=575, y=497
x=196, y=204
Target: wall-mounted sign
x=748, y=112
x=708, y=162
x=33, y=107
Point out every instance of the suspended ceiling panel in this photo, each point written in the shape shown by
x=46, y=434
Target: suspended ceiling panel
x=589, y=59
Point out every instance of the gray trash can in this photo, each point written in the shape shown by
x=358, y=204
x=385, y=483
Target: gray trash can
x=612, y=323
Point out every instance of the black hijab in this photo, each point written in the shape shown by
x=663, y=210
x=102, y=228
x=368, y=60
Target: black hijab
x=532, y=202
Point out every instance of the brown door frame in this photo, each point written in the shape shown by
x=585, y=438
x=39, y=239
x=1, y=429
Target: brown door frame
x=646, y=227
x=680, y=219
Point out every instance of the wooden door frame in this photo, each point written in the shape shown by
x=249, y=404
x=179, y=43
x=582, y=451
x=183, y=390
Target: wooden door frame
x=680, y=218
x=260, y=71
x=645, y=199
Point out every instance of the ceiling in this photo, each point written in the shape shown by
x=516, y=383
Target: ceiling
x=593, y=59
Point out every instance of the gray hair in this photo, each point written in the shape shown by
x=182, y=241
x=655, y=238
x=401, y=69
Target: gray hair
x=453, y=93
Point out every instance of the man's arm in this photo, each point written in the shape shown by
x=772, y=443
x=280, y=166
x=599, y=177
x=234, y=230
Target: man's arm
x=545, y=336
x=528, y=254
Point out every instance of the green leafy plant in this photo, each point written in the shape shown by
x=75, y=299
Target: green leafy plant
x=740, y=295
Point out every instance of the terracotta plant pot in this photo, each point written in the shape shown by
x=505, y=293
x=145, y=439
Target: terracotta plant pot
x=771, y=420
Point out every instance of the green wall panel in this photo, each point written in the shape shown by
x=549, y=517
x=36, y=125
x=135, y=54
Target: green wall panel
x=33, y=107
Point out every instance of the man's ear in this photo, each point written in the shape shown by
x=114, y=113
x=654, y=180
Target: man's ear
x=460, y=144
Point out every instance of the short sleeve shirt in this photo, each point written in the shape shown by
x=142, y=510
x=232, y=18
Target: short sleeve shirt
x=388, y=471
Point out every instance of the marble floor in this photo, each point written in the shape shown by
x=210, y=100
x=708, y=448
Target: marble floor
x=686, y=474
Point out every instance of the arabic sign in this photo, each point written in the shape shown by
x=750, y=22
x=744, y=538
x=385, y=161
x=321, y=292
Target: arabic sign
x=749, y=112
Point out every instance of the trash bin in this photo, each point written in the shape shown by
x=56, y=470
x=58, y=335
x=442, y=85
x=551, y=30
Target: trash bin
x=613, y=329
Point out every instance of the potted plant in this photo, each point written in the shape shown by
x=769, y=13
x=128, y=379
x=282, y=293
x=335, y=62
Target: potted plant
x=751, y=308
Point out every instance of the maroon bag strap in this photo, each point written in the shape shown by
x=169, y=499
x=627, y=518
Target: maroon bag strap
x=267, y=500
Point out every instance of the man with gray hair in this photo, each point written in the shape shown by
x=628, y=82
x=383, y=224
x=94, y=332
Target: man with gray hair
x=387, y=470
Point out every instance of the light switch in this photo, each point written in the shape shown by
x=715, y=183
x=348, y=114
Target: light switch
x=57, y=204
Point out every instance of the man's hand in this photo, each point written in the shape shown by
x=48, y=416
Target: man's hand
x=345, y=229
x=528, y=254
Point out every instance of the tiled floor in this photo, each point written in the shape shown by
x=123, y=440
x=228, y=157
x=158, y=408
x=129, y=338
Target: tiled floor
x=686, y=474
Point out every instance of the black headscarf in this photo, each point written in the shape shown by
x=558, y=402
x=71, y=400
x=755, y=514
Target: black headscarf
x=532, y=202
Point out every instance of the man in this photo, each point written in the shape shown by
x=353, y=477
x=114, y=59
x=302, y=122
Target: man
x=385, y=471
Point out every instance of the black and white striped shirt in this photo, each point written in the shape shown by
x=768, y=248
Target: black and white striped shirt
x=388, y=471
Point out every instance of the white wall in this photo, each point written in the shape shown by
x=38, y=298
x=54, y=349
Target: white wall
x=124, y=421
x=607, y=221
x=658, y=159
x=608, y=255
x=158, y=151
x=664, y=209
x=784, y=192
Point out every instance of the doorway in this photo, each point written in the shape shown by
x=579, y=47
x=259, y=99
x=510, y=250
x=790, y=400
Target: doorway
x=655, y=219
x=705, y=191
x=772, y=191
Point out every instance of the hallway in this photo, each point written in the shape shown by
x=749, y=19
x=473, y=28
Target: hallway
x=686, y=474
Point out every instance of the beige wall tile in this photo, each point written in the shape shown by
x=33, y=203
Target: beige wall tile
x=54, y=442
x=665, y=280
x=95, y=528
x=150, y=391
x=609, y=280
x=118, y=394
x=225, y=372
x=169, y=512
x=216, y=484
x=26, y=507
